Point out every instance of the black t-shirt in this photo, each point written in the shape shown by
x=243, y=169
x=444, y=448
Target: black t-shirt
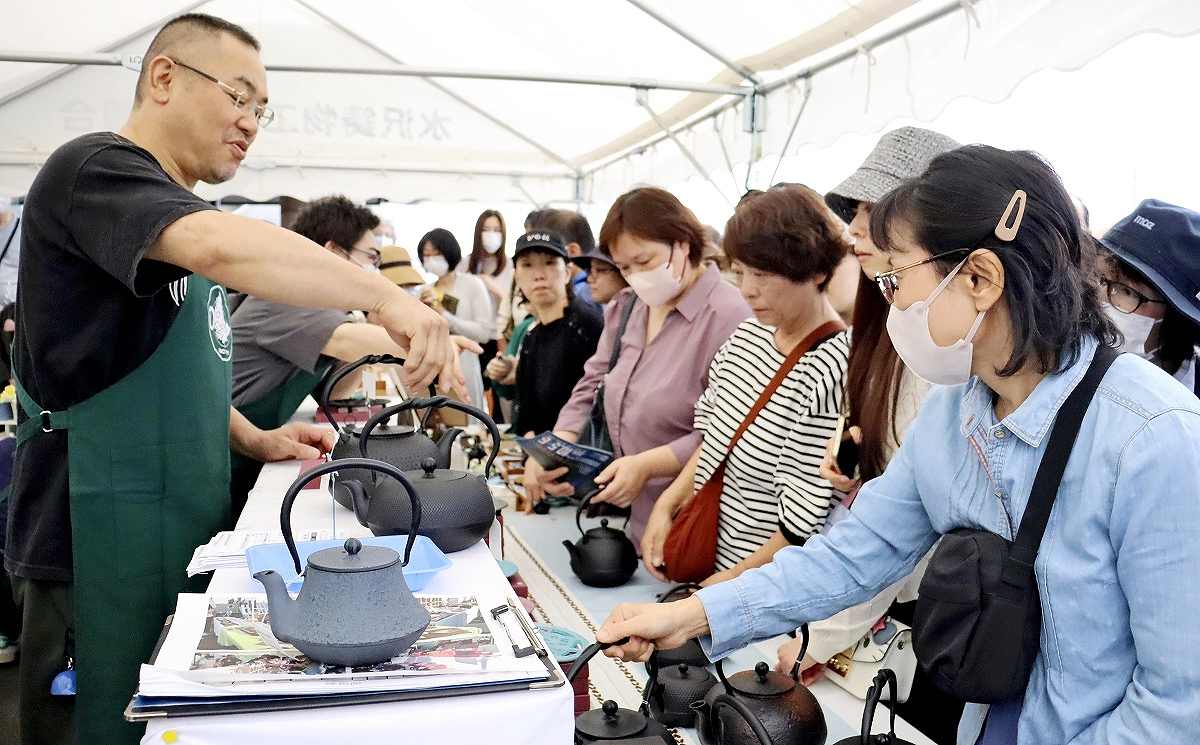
x=551, y=363
x=90, y=309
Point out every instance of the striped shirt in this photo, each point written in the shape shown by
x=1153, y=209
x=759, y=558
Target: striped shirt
x=771, y=478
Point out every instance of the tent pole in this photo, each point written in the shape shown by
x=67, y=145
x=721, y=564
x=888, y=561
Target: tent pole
x=735, y=66
x=643, y=101
x=792, y=131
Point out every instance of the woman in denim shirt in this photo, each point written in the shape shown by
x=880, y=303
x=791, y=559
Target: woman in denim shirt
x=1013, y=323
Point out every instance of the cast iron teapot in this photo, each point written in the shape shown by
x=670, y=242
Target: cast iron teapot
x=741, y=708
x=671, y=692
x=459, y=509
x=603, y=556
x=610, y=723
x=689, y=653
x=403, y=445
x=354, y=607
x=884, y=676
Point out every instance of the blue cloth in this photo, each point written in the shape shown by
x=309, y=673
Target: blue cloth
x=1117, y=569
x=581, y=289
x=1001, y=726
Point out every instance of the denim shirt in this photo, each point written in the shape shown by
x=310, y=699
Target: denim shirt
x=1118, y=569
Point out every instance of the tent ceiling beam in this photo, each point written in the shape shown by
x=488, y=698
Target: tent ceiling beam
x=734, y=65
x=643, y=101
x=56, y=74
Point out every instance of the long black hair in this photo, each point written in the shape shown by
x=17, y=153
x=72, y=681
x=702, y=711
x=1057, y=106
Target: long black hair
x=1052, y=297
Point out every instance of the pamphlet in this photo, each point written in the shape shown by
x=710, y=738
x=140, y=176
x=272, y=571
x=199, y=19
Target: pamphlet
x=583, y=463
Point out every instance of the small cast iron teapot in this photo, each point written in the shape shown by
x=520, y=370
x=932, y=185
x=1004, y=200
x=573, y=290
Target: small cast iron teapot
x=884, y=676
x=403, y=445
x=610, y=723
x=354, y=607
x=458, y=505
x=689, y=653
x=742, y=708
x=671, y=692
x=603, y=556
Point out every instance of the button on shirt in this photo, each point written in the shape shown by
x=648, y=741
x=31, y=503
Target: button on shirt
x=1116, y=569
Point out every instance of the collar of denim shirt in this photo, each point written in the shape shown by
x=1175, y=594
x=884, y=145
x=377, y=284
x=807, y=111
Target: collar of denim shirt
x=1032, y=420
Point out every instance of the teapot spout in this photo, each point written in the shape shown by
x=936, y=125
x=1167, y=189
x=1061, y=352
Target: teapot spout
x=572, y=549
x=281, y=605
x=444, y=444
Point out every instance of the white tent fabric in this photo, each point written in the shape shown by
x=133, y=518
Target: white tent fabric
x=448, y=140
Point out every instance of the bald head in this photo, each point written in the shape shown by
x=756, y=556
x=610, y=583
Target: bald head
x=184, y=33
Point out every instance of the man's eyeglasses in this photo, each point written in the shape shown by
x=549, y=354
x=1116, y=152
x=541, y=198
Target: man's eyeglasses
x=373, y=255
x=242, y=100
x=1124, y=298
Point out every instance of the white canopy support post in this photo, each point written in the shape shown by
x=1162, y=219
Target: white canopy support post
x=579, y=193
x=754, y=122
x=716, y=120
x=643, y=99
x=516, y=182
x=37, y=83
x=792, y=131
x=708, y=49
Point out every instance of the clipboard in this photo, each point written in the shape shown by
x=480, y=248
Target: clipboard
x=142, y=709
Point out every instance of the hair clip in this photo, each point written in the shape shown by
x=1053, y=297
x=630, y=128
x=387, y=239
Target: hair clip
x=1004, y=231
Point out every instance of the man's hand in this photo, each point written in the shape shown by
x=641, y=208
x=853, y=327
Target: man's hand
x=652, y=625
x=292, y=441
x=622, y=481
x=426, y=336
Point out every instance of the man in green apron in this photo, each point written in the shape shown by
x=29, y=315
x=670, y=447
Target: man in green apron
x=123, y=356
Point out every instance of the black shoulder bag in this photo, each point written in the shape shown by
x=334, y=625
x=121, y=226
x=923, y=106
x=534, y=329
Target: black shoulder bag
x=978, y=618
x=595, y=430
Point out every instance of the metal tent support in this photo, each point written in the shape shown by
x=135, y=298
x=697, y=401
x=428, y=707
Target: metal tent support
x=792, y=131
x=709, y=49
x=643, y=99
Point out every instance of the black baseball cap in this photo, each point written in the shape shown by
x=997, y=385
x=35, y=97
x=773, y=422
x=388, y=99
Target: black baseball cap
x=1161, y=242
x=584, y=261
x=541, y=240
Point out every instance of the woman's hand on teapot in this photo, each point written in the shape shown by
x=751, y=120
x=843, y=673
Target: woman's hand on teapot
x=829, y=468
x=622, y=481
x=654, y=538
x=539, y=482
x=652, y=625
x=810, y=669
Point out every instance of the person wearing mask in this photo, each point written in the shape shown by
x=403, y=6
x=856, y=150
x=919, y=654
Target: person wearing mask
x=994, y=298
x=463, y=301
x=396, y=264
x=882, y=400
x=577, y=233
x=556, y=347
x=603, y=278
x=683, y=316
x=489, y=262
x=122, y=363
x=786, y=244
x=1151, y=277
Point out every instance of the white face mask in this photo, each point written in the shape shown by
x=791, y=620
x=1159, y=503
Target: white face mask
x=369, y=269
x=658, y=286
x=909, y=331
x=1136, y=330
x=491, y=240
x=436, y=265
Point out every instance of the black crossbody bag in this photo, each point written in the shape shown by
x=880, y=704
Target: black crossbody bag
x=978, y=618
x=595, y=429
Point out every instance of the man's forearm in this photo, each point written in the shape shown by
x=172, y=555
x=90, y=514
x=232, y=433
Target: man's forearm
x=242, y=433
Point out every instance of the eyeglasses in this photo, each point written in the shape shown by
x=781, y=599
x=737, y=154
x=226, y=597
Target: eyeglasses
x=889, y=282
x=1124, y=298
x=242, y=100
x=373, y=255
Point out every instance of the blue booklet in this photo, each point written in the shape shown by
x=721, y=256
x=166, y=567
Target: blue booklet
x=583, y=463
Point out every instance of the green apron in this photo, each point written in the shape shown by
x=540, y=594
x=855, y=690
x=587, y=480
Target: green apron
x=149, y=481
x=269, y=412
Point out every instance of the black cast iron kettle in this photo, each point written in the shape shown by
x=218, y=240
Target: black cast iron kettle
x=741, y=709
x=404, y=446
x=689, y=653
x=458, y=506
x=884, y=676
x=610, y=723
x=603, y=556
x=672, y=691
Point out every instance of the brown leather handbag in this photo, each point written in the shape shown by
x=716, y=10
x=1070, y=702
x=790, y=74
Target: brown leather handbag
x=690, y=551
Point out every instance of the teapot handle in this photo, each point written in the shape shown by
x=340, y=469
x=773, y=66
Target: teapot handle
x=803, y=651
x=285, y=511
x=681, y=587
x=584, y=503
x=733, y=702
x=588, y=653
x=337, y=377
x=434, y=402
x=873, y=694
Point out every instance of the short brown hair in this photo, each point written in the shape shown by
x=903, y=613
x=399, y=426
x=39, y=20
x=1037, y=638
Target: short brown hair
x=654, y=215
x=788, y=231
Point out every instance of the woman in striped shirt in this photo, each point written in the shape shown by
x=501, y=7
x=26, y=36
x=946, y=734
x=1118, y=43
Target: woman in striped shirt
x=785, y=243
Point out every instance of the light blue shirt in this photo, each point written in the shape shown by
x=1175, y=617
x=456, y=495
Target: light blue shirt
x=1119, y=565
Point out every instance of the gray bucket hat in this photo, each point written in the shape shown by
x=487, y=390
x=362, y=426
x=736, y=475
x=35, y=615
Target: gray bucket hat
x=899, y=155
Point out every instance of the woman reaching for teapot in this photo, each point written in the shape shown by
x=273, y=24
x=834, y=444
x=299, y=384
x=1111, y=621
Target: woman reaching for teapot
x=993, y=299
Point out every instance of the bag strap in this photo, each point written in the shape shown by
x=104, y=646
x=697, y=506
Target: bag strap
x=1050, y=470
x=626, y=312
x=807, y=344
x=7, y=243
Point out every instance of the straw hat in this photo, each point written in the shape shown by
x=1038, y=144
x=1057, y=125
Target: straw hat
x=396, y=264
x=899, y=155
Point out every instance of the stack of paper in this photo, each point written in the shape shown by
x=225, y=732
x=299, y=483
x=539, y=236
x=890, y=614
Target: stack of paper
x=227, y=549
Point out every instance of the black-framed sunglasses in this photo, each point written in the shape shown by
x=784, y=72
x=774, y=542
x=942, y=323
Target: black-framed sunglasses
x=242, y=100
x=1124, y=298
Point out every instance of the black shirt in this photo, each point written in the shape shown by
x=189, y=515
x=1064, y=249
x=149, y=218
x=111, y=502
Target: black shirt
x=90, y=309
x=551, y=363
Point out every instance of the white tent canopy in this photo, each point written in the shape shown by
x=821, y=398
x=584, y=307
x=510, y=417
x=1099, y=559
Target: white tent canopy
x=467, y=100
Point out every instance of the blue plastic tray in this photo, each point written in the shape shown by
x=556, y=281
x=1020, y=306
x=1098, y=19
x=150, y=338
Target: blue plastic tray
x=426, y=560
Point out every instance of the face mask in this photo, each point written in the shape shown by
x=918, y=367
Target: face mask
x=490, y=240
x=1136, y=330
x=656, y=287
x=369, y=269
x=437, y=266
x=909, y=331
x=414, y=290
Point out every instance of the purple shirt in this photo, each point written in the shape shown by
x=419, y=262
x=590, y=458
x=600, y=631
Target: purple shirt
x=650, y=394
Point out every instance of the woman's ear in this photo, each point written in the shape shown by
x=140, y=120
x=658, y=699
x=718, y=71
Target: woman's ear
x=985, y=272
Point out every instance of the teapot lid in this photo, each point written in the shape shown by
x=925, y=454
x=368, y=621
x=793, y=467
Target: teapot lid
x=604, y=531
x=762, y=682
x=353, y=556
x=430, y=473
x=610, y=722
x=381, y=432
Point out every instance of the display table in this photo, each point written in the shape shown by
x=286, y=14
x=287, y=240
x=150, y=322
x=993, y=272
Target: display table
x=534, y=717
